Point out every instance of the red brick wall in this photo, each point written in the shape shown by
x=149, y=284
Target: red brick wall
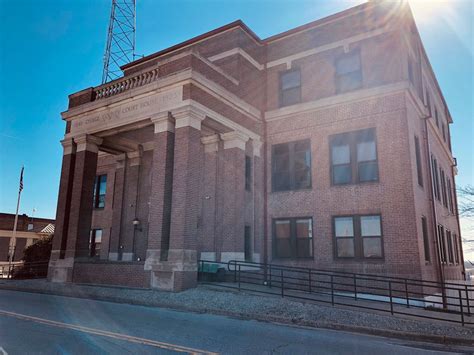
x=123, y=273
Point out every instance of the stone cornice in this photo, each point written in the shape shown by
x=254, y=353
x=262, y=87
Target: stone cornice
x=364, y=94
x=211, y=143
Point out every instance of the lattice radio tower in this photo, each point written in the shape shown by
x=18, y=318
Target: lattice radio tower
x=120, y=48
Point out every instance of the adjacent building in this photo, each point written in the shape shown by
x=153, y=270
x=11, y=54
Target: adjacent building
x=29, y=229
x=326, y=146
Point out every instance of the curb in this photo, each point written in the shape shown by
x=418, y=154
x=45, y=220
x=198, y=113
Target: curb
x=440, y=339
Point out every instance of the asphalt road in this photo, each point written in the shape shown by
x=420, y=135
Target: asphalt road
x=35, y=323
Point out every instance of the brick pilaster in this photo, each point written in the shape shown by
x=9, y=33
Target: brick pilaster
x=129, y=208
x=81, y=199
x=161, y=189
x=117, y=207
x=64, y=200
x=233, y=205
x=179, y=271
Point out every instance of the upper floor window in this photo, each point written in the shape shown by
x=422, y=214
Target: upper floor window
x=434, y=173
x=443, y=187
x=348, y=72
x=419, y=169
x=358, y=237
x=426, y=241
x=436, y=117
x=293, y=237
x=354, y=157
x=248, y=173
x=291, y=166
x=450, y=196
x=290, y=87
x=441, y=244
x=95, y=242
x=100, y=187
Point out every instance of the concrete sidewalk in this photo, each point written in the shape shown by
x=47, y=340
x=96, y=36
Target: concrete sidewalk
x=214, y=300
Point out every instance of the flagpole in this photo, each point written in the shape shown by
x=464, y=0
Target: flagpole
x=13, y=244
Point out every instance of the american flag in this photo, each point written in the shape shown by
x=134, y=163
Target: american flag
x=21, y=178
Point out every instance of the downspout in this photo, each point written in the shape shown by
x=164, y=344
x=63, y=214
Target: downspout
x=433, y=209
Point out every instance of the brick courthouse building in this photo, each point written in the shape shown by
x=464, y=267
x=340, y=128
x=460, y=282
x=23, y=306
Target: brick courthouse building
x=327, y=146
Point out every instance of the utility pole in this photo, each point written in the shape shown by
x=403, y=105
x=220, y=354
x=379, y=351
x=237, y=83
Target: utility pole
x=120, y=47
x=13, y=240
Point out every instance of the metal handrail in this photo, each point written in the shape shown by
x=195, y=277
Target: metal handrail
x=376, y=291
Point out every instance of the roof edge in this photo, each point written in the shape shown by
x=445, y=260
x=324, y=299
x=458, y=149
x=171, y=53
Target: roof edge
x=234, y=24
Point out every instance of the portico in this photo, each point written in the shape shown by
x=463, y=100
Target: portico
x=162, y=157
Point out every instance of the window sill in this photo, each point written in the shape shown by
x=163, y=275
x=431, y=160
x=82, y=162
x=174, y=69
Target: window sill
x=286, y=191
x=356, y=183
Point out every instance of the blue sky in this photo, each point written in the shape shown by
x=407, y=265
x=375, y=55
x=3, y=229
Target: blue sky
x=49, y=49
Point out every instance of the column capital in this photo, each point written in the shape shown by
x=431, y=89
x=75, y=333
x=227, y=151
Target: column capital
x=234, y=139
x=163, y=122
x=121, y=159
x=211, y=143
x=68, y=146
x=88, y=142
x=188, y=116
x=134, y=157
x=257, y=145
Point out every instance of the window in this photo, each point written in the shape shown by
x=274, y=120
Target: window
x=290, y=87
x=100, y=186
x=358, y=237
x=444, y=132
x=434, y=172
x=442, y=246
x=291, y=166
x=354, y=157
x=428, y=102
x=436, y=117
x=426, y=241
x=248, y=173
x=293, y=237
x=247, y=244
x=456, y=248
x=419, y=168
x=443, y=187
x=95, y=242
x=30, y=226
x=348, y=72
x=450, y=247
x=450, y=196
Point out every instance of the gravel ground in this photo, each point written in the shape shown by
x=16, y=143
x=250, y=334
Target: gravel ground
x=207, y=299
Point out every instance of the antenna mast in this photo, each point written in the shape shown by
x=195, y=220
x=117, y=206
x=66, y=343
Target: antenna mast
x=120, y=48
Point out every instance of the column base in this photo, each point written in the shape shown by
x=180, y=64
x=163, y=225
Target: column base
x=177, y=274
x=60, y=270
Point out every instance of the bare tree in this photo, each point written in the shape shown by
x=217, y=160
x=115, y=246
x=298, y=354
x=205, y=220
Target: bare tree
x=466, y=201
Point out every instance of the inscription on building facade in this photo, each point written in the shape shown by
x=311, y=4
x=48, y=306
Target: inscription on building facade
x=128, y=113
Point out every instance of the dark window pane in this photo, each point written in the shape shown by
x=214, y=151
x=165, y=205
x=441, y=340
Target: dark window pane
x=372, y=247
x=290, y=96
x=418, y=161
x=368, y=171
x=341, y=174
x=349, y=82
x=290, y=80
x=426, y=244
x=302, y=169
x=348, y=63
x=304, y=248
x=345, y=247
x=282, y=229
x=283, y=248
